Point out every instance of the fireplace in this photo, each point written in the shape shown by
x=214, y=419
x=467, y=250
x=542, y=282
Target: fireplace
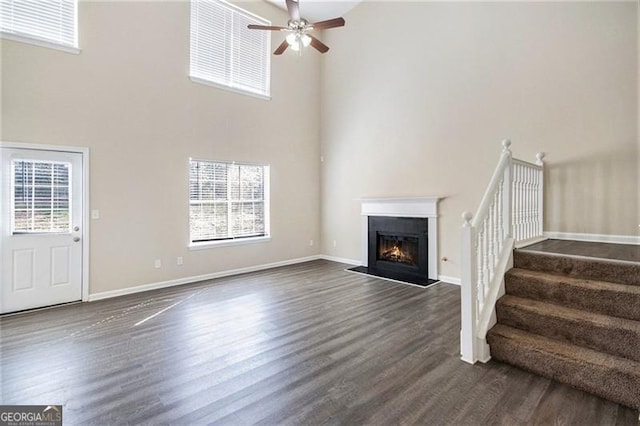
x=400, y=239
x=398, y=247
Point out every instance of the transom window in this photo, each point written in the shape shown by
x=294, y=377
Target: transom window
x=49, y=22
x=225, y=53
x=41, y=195
x=227, y=201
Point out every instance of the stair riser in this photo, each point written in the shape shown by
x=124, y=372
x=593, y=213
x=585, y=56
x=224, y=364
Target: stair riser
x=601, y=301
x=617, y=386
x=624, y=342
x=591, y=269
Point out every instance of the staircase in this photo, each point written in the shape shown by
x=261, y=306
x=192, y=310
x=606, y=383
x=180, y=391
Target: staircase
x=572, y=319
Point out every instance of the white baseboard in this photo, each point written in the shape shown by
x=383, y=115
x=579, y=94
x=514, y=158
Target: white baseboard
x=230, y=272
x=341, y=260
x=598, y=238
x=450, y=280
x=193, y=279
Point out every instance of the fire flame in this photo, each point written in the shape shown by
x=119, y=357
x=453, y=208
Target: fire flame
x=396, y=254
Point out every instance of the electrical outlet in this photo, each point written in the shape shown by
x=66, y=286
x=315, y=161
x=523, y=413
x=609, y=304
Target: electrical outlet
x=179, y=260
x=335, y=243
x=157, y=264
x=310, y=242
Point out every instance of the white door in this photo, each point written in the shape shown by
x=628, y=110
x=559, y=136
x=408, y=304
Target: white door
x=41, y=207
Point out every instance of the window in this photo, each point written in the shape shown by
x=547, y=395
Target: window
x=225, y=53
x=40, y=197
x=227, y=201
x=46, y=22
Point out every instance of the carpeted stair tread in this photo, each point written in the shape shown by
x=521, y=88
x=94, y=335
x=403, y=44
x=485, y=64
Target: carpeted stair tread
x=614, y=378
x=615, y=271
x=602, y=297
x=616, y=336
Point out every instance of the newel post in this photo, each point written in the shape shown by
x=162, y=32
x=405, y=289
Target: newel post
x=540, y=162
x=469, y=294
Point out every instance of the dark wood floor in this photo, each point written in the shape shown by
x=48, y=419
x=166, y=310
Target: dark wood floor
x=304, y=344
x=625, y=252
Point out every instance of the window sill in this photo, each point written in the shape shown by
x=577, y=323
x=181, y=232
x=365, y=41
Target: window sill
x=41, y=43
x=227, y=243
x=230, y=89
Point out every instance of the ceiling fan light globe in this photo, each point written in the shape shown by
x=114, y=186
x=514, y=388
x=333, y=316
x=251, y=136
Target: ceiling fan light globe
x=292, y=39
x=306, y=40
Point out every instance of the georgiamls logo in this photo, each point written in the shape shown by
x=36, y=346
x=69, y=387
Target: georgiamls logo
x=27, y=415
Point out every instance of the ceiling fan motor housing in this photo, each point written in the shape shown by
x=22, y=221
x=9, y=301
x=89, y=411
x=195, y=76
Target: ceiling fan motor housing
x=297, y=26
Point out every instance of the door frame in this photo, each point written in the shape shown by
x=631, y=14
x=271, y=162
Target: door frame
x=84, y=151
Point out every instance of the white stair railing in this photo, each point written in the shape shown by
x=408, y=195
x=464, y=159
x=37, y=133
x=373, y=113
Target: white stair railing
x=510, y=214
x=527, y=187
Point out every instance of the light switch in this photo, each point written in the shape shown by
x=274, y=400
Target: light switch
x=95, y=214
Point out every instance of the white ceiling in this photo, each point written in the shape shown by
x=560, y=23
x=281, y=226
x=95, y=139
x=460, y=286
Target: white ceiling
x=319, y=10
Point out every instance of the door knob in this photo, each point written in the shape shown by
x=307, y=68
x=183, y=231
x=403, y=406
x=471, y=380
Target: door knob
x=76, y=239
x=76, y=228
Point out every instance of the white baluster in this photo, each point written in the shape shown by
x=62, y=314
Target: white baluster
x=507, y=199
x=517, y=210
x=532, y=204
x=519, y=199
x=501, y=206
x=492, y=248
x=514, y=201
x=540, y=194
x=499, y=213
x=496, y=230
x=485, y=257
x=527, y=203
x=479, y=256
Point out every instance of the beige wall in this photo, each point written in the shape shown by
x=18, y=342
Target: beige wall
x=128, y=97
x=416, y=97
x=416, y=110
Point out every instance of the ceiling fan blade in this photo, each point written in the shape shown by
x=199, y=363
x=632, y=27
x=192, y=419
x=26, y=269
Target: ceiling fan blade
x=318, y=45
x=283, y=46
x=265, y=27
x=329, y=23
x=294, y=10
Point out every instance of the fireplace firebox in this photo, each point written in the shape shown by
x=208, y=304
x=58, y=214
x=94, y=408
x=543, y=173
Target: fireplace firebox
x=398, y=248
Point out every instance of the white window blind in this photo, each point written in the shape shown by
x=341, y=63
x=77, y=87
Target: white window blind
x=41, y=196
x=227, y=200
x=53, y=21
x=225, y=52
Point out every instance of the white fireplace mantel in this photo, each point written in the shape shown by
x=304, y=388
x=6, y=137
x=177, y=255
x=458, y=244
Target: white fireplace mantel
x=404, y=207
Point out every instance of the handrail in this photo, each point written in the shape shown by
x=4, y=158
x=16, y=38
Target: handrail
x=496, y=179
x=510, y=213
x=527, y=163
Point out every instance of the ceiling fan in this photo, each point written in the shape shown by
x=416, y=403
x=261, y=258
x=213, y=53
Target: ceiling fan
x=298, y=29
